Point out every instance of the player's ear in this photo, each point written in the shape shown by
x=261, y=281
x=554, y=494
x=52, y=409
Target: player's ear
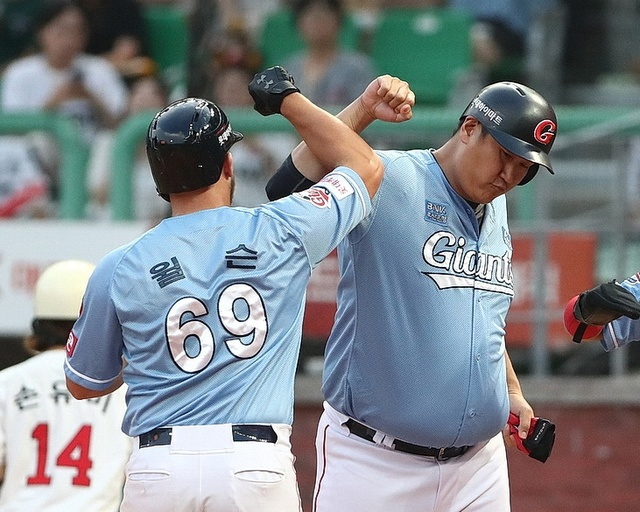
x=227, y=166
x=467, y=128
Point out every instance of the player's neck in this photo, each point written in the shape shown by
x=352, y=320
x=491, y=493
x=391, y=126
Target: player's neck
x=203, y=199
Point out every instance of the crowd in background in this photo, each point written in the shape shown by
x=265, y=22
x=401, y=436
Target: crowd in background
x=92, y=60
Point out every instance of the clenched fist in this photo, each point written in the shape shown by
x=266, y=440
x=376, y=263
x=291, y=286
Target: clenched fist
x=269, y=87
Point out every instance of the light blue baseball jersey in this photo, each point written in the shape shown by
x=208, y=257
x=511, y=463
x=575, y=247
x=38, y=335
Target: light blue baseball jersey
x=624, y=330
x=417, y=348
x=207, y=309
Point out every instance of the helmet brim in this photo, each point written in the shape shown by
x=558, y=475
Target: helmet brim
x=235, y=137
x=522, y=149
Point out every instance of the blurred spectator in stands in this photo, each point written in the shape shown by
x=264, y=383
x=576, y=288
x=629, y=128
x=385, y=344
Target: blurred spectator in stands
x=233, y=47
x=328, y=74
x=249, y=14
x=499, y=35
x=235, y=61
x=187, y=4
x=148, y=94
x=17, y=28
x=24, y=186
x=117, y=33
x=61, y=78
x=209, y=23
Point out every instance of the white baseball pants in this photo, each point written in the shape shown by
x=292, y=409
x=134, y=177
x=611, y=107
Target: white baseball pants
x=356, y=475
x=204, y=469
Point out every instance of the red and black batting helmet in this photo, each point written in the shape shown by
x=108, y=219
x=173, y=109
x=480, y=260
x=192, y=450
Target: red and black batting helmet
x=186, y=145
x=519, y=119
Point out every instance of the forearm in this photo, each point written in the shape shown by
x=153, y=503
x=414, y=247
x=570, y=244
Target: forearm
x=81, y=393
x=386, y=98
x=513, y=384
x=355, y=117
x=322, y=131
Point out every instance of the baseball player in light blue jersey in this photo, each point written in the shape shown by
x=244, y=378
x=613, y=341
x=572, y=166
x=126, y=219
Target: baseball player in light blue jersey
x=417, y=381
x=201, y=316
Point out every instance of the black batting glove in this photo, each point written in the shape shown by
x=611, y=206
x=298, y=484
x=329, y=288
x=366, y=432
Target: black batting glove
x=605, y=303
x=540, y=438
x=269, y=87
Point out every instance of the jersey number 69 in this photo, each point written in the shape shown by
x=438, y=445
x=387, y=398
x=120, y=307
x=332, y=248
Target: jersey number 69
x=183, y=322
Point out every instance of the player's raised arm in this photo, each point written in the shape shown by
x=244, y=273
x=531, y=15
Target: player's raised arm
x=331, y=142
x=386, y=98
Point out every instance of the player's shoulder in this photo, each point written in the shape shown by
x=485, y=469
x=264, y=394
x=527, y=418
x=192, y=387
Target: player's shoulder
x=408, y=168
x=411, y=157
x=338, y=190
x=107, y=265
x=34, y=365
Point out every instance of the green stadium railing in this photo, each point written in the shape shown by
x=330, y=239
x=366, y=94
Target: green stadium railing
x=74, y=154
x=426, y=122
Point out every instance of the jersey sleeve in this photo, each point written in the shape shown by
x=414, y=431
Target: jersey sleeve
x=324, y=214
x=624, y=330
x=94, y=348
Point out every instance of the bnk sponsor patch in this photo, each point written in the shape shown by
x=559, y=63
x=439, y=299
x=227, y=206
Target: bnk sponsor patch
x=337, y=184
x=436, y=212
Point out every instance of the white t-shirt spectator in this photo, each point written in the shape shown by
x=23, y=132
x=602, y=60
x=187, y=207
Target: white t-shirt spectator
x=28, y=84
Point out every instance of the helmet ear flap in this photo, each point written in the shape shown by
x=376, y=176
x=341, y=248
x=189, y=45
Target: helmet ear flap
x=531, y=173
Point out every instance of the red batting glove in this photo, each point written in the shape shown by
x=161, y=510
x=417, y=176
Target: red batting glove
x=575, y=327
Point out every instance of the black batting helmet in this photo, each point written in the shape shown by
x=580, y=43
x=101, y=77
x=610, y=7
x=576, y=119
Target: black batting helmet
x=186, y=145
x=519, y=119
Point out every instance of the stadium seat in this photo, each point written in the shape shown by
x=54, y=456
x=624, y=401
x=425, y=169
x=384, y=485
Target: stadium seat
x=429, y=48
x=279, y=37
x=168, y=39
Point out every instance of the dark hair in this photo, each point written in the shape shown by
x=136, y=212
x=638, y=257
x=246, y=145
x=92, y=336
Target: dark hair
x=300, y=6
x=47, y=334
x=54, y=8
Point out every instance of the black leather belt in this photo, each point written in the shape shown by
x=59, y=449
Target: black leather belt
x=245, y=432
x=360, y=430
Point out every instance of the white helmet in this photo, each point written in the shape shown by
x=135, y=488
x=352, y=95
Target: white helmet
x=60, y=289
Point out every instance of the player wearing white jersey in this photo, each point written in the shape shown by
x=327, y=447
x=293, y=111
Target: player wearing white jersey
x=206, y=308
x=417, y=381
x=58, y=454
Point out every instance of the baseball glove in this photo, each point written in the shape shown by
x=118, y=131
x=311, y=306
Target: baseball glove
x=269, y=87
x=605, y=303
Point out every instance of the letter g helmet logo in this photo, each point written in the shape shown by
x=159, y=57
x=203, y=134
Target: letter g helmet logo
x=545, y=131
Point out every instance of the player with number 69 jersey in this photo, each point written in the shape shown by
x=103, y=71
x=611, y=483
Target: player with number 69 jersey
x=206, y=309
